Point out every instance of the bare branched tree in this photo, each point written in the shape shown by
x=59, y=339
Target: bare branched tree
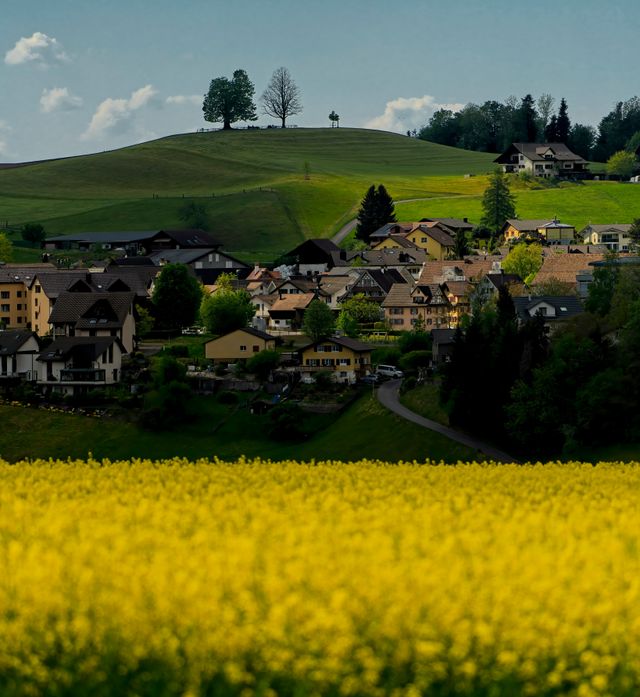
x=281, y=99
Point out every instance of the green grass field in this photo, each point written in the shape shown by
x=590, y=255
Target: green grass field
x=364, y=430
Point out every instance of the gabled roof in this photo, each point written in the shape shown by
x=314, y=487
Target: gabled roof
x=247, y=330
x=292, y=302
x=472, y=268
x=314, y=251
x=527, y=225
x=564, y=267
x=436, y=231
x=611, y=227
x=193, y=238
x=384, y=278
x=92, y=310
x=12, y=340
x=92, y=347
x=16, y=273
x=536, y=152
x=452, y=223
x=565, y=306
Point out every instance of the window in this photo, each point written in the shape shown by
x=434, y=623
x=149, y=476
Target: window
x=313, y=362
x=344, y=361
x=243, y=347
x=38, y=289
x=4, y=295
x=424, y=240
x=19, y=320
x=19, y=294
x=396, y=311
x=328, y=362
x=413, y=311
x=5, y=308
x=256, y=349
x=397, y=321
x=336, y=349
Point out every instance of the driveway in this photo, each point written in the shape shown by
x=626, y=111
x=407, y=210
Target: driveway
x=388, y=397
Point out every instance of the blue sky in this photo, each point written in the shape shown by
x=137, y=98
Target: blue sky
x=88, y=75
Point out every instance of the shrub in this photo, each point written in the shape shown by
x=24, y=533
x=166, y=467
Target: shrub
x=177, y=350
x=414, y=360
x=285, y=422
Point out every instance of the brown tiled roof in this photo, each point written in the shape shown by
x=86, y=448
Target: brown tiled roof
x=92, y=310
x=564, y=267
x=459, y=288
x=473, y=269
x=295, y=301
x=399, y=295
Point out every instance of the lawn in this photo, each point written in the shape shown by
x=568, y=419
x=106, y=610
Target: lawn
x=424, y=400
x=364, y=430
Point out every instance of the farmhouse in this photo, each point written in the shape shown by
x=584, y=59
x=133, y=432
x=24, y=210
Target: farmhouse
x=543, y=160
x=346, y=359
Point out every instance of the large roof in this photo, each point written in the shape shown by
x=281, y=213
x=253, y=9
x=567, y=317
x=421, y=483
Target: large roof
x=345, y=341
x=92, y=310
x=565, y=305
x=16, y=273
x=89, y=346
x=564, y=267
x=184, y=238
x=536, y=152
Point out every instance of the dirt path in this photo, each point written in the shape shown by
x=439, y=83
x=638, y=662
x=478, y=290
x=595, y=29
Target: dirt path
x=388, y=397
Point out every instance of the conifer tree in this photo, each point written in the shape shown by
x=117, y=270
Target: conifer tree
x=498, y=203
x=564, y=125
x=375, y=211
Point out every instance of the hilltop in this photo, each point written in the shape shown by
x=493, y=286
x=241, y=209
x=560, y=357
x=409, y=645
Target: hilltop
x=265, y=190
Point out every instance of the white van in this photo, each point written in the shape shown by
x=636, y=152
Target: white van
x=389, y=371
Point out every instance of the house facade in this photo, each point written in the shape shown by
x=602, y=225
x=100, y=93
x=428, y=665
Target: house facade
x=18, y=352
x=549, y=231
x=545, y=160
x=346, y=359
x=404, y=307
x=238, y=345
x=615, y=237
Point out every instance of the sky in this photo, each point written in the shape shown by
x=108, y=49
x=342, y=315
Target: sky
x=79, y=76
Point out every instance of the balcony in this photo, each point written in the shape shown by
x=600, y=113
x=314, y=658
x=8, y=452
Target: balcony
x=91, y=375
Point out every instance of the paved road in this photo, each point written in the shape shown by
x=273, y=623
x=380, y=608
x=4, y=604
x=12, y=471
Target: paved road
x=388, y=397
x=343, y=232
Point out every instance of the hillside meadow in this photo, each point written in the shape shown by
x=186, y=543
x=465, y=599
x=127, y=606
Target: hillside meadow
x=252, y=577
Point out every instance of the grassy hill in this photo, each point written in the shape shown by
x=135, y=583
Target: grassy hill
x=264, y=190
x=267, y=190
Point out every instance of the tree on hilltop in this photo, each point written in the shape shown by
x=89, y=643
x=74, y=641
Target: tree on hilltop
x=281, y=98
x=228, y=101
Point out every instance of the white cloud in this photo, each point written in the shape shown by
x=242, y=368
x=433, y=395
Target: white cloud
x=115, y=116
x=185, y=99
x=59, y=99
x=38, y=48
x=405, y=113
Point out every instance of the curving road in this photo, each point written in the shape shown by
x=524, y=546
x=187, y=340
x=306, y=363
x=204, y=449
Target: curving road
x=388, y=397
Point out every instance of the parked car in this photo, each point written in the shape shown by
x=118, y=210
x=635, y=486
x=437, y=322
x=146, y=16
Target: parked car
x=389, y=371
x=371, y=379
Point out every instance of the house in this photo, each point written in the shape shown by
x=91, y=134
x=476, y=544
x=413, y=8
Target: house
x=200, y=260
x=347, y=359
x=406, y=259
x=543, y=160
x=614, y=236
x=470, y=269
x=404, y=306
x=132, y=242
x=238, y=345
x=374, y=284
x=287, y=313
x=312, y=256
x=490, y=284
x=554, y=309
x=433, y=237
x=18, y=351
x=453, y=225
x=76, y=364
x=442, y=345
x=95, y=314
x=14, y=280
x=458, y=293
x=565, y=269
x=548, y=231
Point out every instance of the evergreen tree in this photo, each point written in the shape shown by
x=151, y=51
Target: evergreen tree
x=461, y=245
x=498, y=203
x=564, y=125
x=375, y=211
x=527, y=120
x=551, y=131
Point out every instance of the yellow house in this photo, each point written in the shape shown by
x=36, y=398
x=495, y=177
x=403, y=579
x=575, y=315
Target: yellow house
x=238, y=345
x=14, y=279
x=433, y=239
x=552, y=231
x=346, y=359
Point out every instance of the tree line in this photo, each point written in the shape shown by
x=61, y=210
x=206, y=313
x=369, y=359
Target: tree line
x=494, y=125
x=551, y=396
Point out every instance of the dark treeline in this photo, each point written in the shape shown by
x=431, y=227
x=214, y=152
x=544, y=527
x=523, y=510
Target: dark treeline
x=550, y=397
x=493, y=126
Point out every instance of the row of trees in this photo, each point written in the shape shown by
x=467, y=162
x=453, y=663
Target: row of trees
x=231, y=100
x=549, y=397
x=493, y=126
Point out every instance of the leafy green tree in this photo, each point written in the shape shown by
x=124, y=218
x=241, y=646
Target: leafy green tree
x=319, y=321
x=6, y=248
x=415, y=340
x=634, y=233
x=498, y=202
x=176, y=297
x=633, y=144
x=602, y=288
x=524, y=260
x=622, y=164
x=281, y=99
x=194, y=215
x=33, y=233
x=226, y=309
x=348, y=325
x=228, y=101
x=362, y=310
x=144, y=322
x=263, y=363
x=582, y=140
x=376, y=210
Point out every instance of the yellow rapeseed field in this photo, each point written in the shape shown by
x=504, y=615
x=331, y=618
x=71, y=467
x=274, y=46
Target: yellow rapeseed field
x=261, y=578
